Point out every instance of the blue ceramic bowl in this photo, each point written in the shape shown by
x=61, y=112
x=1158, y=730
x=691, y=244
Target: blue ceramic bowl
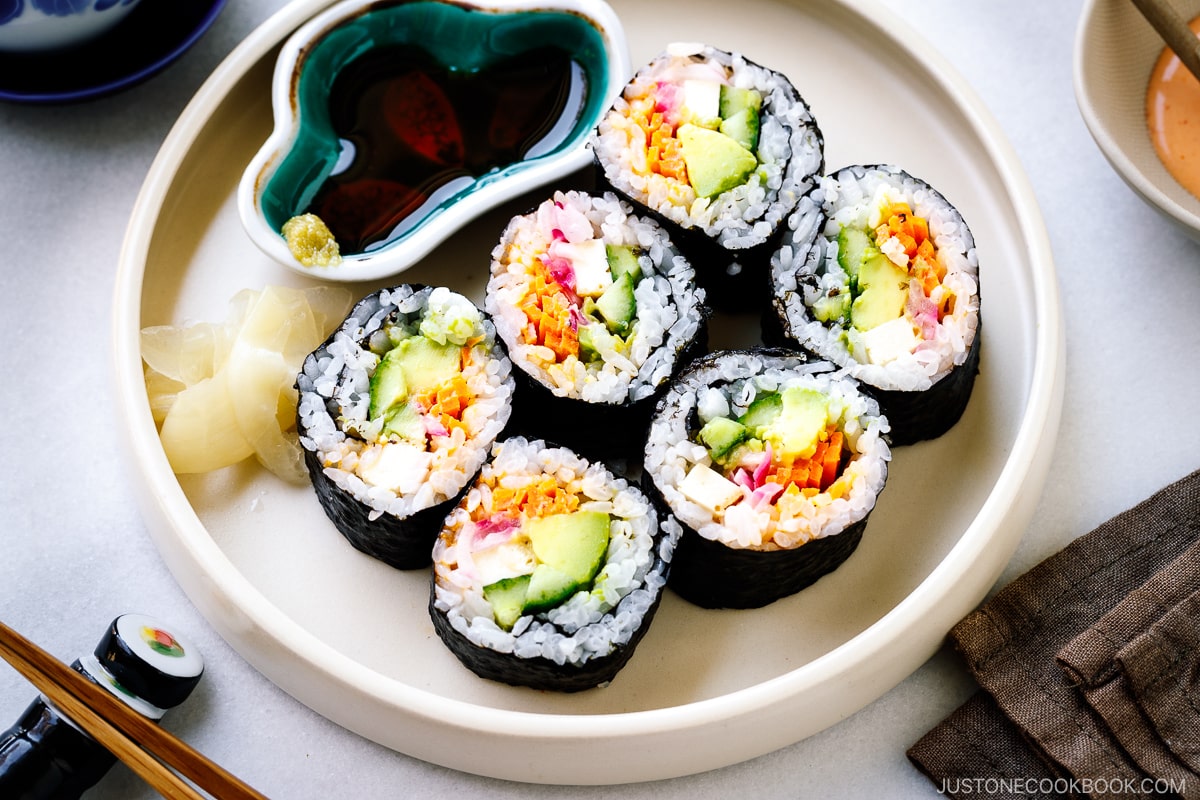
x=396, y=123
x=30, y=26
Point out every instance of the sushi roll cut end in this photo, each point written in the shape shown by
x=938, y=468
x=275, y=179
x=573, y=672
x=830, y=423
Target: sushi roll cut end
x=771, y=463
x=548, y=571
x=881, y=277
x=397, y=411
x=598, y=310
x=719, y=149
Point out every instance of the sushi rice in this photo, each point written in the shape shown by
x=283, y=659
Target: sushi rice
x=940, y=320
x=483, y=541
x=388, y=476
x=762, y=510
x=635, y=144
x=534, y=296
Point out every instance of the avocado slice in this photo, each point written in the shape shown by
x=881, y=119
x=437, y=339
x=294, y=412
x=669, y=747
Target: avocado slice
x=573, y=543
x=388, y=386
x=507, y=598
x=426, y=363
x=623, y=259
x=592, y=337
x=617, y=305
x=403, y=420
x=588, y=350
x=720, y=435
x=804, y=414
x=715, y=163
x=883, y=287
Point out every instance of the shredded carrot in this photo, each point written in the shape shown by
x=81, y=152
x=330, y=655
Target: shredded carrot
x=816, y=466
x=926, y=274
x=468, y=350
x=539, y=498
x=556, y=331
x=664, y=153
x=671, y=163
x=818, y=472
x=447, y=401
x=549, y=313
x=832, y=460
x=910, y=230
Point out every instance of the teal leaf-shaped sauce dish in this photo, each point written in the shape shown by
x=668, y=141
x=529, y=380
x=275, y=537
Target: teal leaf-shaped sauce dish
x=396, y=123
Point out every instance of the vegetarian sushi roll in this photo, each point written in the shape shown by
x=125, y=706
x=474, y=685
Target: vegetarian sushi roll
x=598, y=310
x=879, y=274
x=397, y=411
x=720, y=149
x=549, y=570
x=772, y=464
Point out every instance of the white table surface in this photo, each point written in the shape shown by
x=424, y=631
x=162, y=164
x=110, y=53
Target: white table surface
x=76, y=552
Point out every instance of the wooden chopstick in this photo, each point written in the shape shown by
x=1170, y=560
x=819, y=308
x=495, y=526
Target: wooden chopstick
x=144, y=746
x=1174, y=30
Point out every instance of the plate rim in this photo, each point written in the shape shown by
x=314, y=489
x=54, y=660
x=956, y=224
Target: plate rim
x=240, y=613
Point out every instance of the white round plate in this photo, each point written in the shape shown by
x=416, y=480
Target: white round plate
x=351, y=637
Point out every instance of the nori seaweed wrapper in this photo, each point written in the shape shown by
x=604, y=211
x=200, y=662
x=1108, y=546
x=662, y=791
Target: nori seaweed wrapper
x=915, y=415
x=543, y=673
x=401, y=542
x=601, y=429
x=711, y=573
x=598, y=430
x=404, y=542
x=735, y=271
x=540, y=672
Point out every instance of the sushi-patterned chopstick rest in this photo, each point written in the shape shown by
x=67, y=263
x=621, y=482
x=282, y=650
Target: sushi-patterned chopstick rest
x=150, y=670
x=1010, y=645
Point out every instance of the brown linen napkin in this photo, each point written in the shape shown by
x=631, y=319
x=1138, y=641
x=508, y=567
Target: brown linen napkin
x=1010, y=645
x=1137, y=668
x=978, y=752
x=1162, y=667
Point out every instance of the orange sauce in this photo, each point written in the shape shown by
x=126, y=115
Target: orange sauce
x=1173, y=116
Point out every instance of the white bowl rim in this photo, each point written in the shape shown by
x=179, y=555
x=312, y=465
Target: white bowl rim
x=1136, y=179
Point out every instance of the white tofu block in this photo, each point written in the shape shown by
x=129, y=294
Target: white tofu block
x=708, y=488
x=504, y=561
x=702, y=99
x=589, y=259
x=398, y=466
x=889, y=341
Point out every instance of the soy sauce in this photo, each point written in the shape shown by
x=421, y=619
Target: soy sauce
x=413, y=131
